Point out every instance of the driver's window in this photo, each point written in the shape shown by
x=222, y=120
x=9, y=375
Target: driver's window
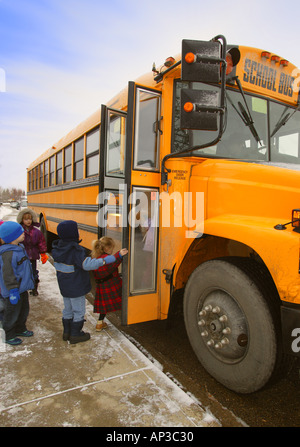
x=285, y=135
x=239, y=140
x=147, y=130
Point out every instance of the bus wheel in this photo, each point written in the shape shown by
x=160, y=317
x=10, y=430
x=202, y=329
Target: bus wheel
x=231, y=324
x=46, y=234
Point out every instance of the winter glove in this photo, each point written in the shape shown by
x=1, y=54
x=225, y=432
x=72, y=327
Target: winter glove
x=109, y=259
x=14, y=296
x=44, y=258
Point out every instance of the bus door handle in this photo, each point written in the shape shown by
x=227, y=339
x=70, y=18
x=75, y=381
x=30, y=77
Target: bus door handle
x=157, y=127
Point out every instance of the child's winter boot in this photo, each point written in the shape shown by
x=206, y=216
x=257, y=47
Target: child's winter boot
x=34, y=292
x=14, y=341
x=77, y=335
x=101, y=325
x=67, y=328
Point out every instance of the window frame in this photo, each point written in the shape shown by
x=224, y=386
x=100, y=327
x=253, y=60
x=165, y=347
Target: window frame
x=41, y=176
x=95, y=154
x=158, y=95
x=69, y=165
x=46, y=173
x=136, y=190
x=52, y=166
x=59, y=168
x=269, y=101
x=122, y=116
x=78, y=161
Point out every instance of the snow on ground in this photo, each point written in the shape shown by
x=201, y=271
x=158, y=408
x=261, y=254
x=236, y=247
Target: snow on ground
x=5, y=210
x=167, y=404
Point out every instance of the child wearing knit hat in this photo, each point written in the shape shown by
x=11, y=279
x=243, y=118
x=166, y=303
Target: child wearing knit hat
x=72, y=266
x=16, y=279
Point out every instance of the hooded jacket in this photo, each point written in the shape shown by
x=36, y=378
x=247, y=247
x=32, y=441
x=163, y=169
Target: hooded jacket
x=15, y=269
x=68, y=258
x=27, y=211
x=72, y=266
x=34, y=241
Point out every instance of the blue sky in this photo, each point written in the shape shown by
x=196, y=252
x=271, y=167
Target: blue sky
x=61, y=59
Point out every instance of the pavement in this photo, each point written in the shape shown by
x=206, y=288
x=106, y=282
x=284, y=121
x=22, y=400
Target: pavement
x=104, y=382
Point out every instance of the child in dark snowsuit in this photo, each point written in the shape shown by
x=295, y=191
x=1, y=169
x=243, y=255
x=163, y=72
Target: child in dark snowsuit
x=72, y=267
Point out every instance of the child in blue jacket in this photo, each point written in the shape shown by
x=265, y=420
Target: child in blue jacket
x=1, y=297
x=72, y=266
x=16, y=279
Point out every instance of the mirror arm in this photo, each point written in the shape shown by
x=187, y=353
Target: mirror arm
x=164, y=170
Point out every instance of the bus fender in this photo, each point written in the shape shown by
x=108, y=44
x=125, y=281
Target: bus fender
x=260, y=235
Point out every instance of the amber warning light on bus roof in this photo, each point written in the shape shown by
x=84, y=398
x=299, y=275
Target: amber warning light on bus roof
x=267, y=55
x=232, y=59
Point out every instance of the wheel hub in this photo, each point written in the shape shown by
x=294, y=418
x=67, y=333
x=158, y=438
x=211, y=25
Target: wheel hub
x=223, y=326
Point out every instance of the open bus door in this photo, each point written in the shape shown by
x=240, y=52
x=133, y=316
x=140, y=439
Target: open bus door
x=129, y=190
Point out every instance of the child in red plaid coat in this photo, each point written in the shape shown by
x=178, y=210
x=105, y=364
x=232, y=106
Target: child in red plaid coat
x=108, y=281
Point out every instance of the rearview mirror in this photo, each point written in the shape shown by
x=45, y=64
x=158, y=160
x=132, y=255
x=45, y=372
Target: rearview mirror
x=199, y=109
x=200, y=61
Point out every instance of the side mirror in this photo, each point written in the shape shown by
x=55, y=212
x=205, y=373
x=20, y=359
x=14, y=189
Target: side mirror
x=199, y=109
x=200, y=61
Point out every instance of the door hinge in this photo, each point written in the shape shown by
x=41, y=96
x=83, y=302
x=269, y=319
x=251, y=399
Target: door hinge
x=168, y=275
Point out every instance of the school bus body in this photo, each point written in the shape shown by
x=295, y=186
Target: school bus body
x=243, y=205
x=241, y=201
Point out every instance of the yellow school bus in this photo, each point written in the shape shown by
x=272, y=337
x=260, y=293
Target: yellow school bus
x=195, y=168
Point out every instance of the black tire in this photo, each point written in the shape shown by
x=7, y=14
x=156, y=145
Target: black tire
x=49, y=237
x=232, y=322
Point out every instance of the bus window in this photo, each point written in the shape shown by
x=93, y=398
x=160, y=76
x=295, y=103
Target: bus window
x=146, y=150
x=114, y=218
x=144, y=218
x=92, y=152
x=68, y=164
x=41, y=175
x=52, y=171
x=46, y=166
x=78, y=158
x=31, y=180
x=284, y=124
x=238, y=141
x=59, y=168
x=115, y=154
x=36, y=176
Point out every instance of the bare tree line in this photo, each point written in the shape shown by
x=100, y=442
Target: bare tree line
x=11, y=194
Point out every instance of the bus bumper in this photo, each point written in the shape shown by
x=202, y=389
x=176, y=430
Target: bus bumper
x=290, y=324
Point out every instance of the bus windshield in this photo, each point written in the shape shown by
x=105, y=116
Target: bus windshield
x=240, y=140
